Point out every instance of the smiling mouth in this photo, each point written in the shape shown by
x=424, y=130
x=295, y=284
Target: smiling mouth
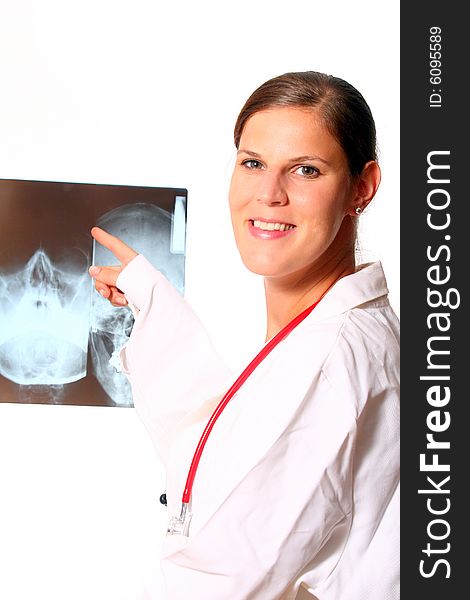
x=271, y=226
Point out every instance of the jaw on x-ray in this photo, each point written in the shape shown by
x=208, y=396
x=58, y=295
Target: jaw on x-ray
x=54, y=326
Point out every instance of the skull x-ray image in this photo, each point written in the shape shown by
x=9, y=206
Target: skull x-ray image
x=59, y=339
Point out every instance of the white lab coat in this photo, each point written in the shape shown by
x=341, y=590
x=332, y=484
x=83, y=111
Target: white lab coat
x=298, y=482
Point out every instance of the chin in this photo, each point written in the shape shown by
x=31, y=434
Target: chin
x=263, y=267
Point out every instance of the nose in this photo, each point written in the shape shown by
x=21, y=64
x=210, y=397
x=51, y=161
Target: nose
x=271, y=190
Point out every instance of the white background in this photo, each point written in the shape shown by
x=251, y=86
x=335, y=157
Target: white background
x=145, y=92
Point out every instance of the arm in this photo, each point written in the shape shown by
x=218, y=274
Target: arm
x=169, y=359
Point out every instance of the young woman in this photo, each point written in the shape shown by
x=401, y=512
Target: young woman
x=293, y=488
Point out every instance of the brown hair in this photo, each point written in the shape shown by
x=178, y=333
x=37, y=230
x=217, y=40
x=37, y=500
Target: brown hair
x=343, y=111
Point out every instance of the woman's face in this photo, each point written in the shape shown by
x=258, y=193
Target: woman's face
x=289, y=195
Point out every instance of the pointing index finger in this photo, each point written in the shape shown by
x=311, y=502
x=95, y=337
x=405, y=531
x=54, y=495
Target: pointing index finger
x=121, y=251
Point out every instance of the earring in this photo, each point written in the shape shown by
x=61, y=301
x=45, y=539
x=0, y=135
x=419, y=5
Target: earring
x=358, y=210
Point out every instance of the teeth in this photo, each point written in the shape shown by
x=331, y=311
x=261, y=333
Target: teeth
x=272, y=226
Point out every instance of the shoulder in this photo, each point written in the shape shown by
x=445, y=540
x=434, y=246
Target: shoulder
x=364, y=361
x=355, y=352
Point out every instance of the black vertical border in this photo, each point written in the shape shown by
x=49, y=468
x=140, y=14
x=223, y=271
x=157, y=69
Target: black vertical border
x=426, y=128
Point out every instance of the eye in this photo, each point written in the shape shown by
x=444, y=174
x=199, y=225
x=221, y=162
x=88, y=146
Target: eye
x=252, y=163
x=307, y=171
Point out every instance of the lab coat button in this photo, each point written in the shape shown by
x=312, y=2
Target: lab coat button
x=163, y=499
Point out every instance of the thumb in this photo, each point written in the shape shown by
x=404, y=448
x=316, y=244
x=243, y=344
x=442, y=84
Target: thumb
x=106, y=275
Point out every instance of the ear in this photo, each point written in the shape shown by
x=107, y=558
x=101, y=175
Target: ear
x=366, y=187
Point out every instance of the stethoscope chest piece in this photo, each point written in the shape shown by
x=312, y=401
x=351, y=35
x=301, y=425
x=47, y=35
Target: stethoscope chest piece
x=180, y=525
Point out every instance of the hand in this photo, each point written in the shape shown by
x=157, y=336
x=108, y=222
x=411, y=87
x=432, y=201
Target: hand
x=105, y=277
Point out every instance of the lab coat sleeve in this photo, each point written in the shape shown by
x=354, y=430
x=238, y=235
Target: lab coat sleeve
x=169, y=359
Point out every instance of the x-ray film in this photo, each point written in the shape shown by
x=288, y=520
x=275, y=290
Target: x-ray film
x=59, y=339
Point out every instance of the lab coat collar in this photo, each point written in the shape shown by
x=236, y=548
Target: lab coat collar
x=367, y=284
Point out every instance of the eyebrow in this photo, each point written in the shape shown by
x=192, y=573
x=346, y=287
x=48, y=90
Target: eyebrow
x=297, y=159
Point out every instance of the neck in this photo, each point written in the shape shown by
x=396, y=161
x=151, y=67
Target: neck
x=287, y=297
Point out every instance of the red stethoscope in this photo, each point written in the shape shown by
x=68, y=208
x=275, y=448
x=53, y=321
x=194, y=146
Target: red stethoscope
x=179, y=525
